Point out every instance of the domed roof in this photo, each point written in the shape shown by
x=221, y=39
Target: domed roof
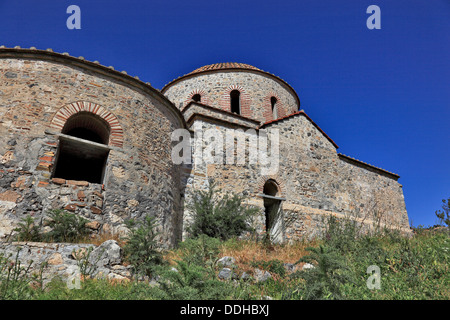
x=227, y=66
x=224, y=66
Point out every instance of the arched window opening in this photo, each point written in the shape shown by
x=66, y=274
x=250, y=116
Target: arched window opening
x=235, y=97
x=272, y=210
x=273, y=102
x=270, y=188
x=87, y=126
x=83, y=150
x=197, y=97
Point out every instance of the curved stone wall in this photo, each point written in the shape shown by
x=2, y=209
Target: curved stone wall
x=256, y=90
x=39, y=92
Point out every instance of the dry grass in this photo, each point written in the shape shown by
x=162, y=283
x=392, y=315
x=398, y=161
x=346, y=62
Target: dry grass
x=98, y=239
x=246, y=252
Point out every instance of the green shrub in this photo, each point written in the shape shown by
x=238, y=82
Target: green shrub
x=191, y=281
x=325, y=280
x=222, y=217
x=341, y=234
x=141, y=248
x=444, y=215
x=65, y=227
x=195, y=276
x=27, y=230
x=201, y=251
x=15, y=279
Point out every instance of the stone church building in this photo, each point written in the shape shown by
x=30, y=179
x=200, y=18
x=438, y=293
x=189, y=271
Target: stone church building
x=80, y=136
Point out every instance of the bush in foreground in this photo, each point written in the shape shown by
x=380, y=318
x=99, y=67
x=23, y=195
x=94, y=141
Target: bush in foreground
x=223, y=217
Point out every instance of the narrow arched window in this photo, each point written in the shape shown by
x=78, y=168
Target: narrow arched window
x=197, y=97
x=235, y=101
x=273, y=102
x=83, y=148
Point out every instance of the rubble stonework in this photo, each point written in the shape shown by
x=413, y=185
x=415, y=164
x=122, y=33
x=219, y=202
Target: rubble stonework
x=314, y=180
x=42, y=91
x=38, y=90
x=66, y=260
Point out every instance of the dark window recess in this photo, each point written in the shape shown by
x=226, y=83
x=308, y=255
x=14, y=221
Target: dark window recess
x=270, y=188
x=235, y=97
x=273, y=102
x=197, y=97
x=271, y=206
x=80, y=159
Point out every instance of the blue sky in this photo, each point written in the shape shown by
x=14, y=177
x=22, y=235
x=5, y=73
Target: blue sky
x=382, y=95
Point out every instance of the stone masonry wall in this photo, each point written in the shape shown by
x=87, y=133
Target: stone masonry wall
x=318, y=183
x=140, y=178
x=40, y=91
x=64, y=260
x=312, y=178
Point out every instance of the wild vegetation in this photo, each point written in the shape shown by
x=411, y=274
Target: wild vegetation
x=340, y=267
x=62, y=227
x=217, y=215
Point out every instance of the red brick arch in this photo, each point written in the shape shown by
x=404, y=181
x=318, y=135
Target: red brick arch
x=224, y=102
x=63, y=114
x=276, y=178
x=267, y=106
x=201, y=92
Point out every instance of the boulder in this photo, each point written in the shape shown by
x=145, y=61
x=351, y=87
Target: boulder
x=245, y=276
x=225, y=274
x=289, y=267
x=261, y=275
x=107, y=254
x=226, y=261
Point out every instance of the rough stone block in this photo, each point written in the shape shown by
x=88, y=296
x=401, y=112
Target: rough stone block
x=94, y=225
x=10, y=196
x=59, y=181
x=96, y=210
x=71, y=207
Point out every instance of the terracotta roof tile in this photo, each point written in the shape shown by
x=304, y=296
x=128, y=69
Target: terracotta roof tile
x=229, y=66
x=224, y=65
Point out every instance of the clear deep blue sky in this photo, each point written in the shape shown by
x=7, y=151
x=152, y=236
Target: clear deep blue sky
x=382, y=95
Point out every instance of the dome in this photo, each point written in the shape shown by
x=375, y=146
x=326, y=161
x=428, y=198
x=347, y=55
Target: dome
x=224, y=66
x=235, y=87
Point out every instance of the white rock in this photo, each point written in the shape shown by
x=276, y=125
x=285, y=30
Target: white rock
x=261, y=275
x=307, y=266
x=226, y=261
